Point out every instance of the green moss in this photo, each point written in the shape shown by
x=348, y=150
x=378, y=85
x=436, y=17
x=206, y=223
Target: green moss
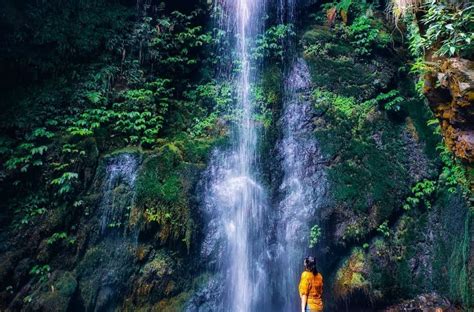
x=351, y=275
x=334, y=65
x=161, y=265
x=366, y=175
x=66, y=284
x=420, y=113
x=163, y=185
x=91, y=260
x=452, y=262
x=318, y=34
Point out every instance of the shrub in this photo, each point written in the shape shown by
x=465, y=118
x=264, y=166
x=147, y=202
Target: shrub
x=367, y=34
x=314, y=236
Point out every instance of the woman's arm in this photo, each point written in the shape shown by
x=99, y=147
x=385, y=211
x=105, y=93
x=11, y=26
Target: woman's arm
x=304, y=300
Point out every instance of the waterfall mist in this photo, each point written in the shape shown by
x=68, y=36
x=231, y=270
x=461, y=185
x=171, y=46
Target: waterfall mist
x=235, y=201
x=256, y=246
x=302, y=188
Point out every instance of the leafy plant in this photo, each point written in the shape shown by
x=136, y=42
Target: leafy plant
x=41, y=272
x=27, y=209
x=453, y=173
x=30, y=152
x=65, y=182
x=384, y=229
x=270, y=44
x=422, y=194
x=450, y=27
x=60, y=236
x=215, y=99
x=314, y=236
x=367, y=34
x=390, y=101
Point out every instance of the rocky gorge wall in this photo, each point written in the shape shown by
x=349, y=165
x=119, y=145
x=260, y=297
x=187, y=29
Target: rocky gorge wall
x=449, y=88
x=132, y=247
x=392, y=226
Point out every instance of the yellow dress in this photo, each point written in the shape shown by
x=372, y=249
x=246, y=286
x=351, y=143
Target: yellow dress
x=311, y=285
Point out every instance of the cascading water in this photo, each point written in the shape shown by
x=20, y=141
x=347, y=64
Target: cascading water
x=115, y=242
x=235, y=203
x=286, y=11
x=118, y=192
x=241, y=229
x=302, y=188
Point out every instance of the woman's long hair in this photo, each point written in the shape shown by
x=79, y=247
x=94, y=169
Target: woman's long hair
x=310, y=265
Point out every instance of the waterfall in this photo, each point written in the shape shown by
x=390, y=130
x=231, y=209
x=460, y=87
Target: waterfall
x=286, y=11
x=120, y=175
x=302, y=188
x=115, y=240
x=255, y=249
x=235, y=202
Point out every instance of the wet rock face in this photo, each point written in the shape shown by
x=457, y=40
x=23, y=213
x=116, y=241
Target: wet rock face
x=450, y=91
x=426, y=302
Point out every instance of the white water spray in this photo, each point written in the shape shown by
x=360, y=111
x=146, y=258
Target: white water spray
x=235, y=203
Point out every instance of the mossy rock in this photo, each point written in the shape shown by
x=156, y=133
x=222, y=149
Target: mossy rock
x=426, y=251
x=56, y=295
x=351, y=276
x=159, y=278
x=335, y=67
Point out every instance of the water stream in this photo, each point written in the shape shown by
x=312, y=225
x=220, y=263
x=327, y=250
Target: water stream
x=256, y=249
x=118, y=192
x=235, y=202
x=302, y=188
x=115, y=242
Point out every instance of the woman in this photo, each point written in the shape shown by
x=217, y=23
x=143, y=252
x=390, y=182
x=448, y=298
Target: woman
x=311, y=287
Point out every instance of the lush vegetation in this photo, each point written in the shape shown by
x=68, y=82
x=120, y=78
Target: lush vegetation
x=372, y=123
x=69, y=108
x=86, y=81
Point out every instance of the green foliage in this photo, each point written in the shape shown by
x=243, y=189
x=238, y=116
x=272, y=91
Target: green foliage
x=453, y=174
x=417, y=44
x=31, y=152
x=419, y=68
x=269, y=46
x=450, y=29
x=344, y=5
x=314, y=236
x=65, y=182
x=215, y=100
x=367, y=34
x=138, y=117
x=391, y=101
x=60, y=236
x=40, y=272
x=343, y=106
x=354, y=232
x=174, y=39
x=263, y=102
x=29, y=208
x=347, y=108
x=384, y=229
x=319, y=43
x=421, y=196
